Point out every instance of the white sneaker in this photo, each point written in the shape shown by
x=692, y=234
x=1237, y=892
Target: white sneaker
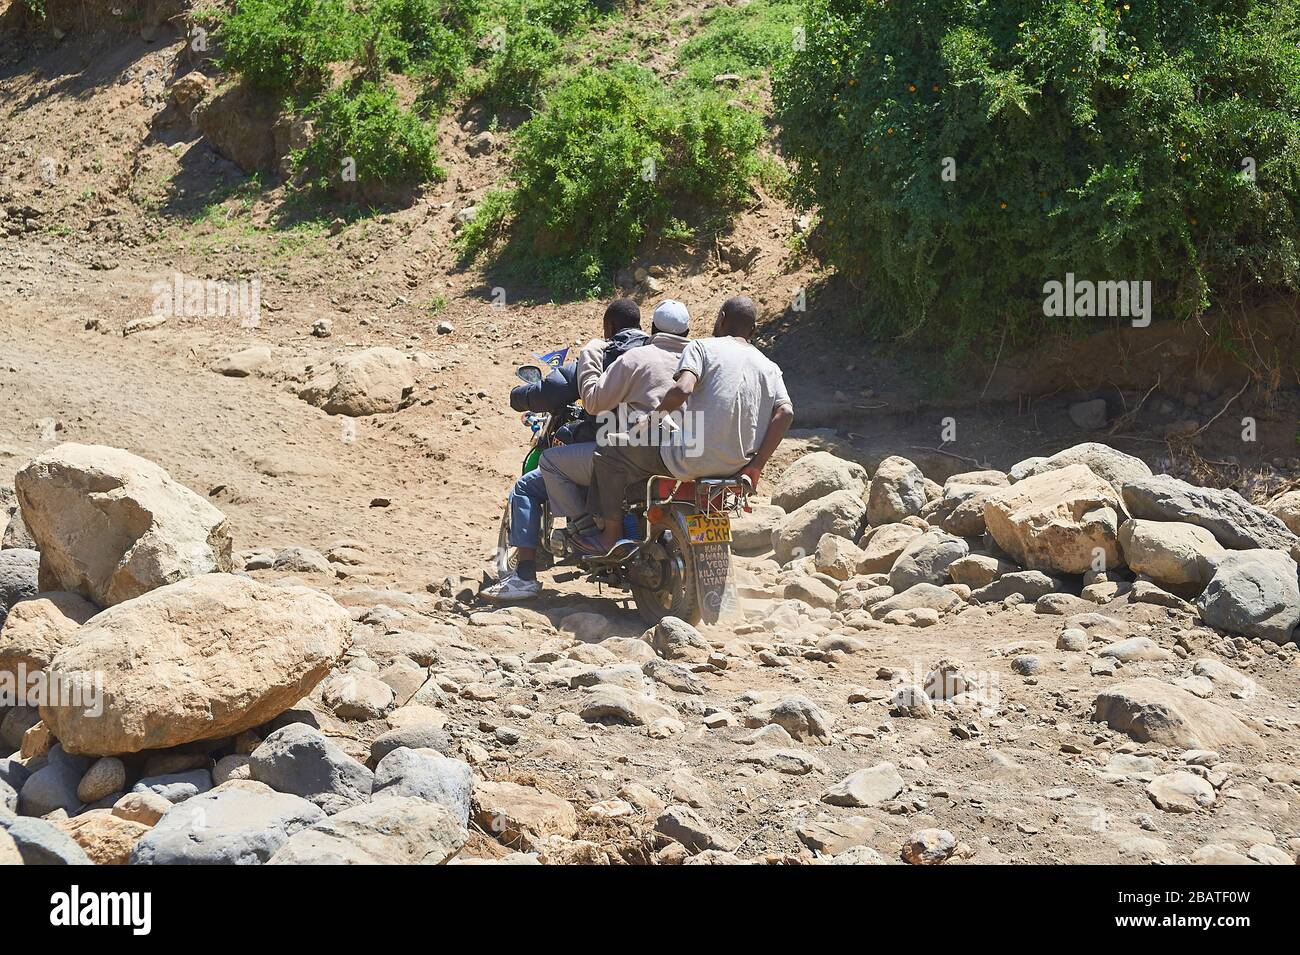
x=511, y=588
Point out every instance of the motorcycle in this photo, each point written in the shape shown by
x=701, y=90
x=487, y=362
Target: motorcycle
x=679, y=561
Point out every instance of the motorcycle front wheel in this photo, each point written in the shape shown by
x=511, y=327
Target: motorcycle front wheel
x=506, y=559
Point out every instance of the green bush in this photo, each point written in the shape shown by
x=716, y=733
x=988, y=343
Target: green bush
x=391, y=147
x=1114, y=160
x=280, y=45
x=513, y=76
x=433, y=38
x=614, y=158
x=746, y=40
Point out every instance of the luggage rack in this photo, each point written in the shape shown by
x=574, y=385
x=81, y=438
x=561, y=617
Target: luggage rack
x=710, y=495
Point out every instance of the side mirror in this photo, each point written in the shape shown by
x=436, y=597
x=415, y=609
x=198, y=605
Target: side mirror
x=529, y=373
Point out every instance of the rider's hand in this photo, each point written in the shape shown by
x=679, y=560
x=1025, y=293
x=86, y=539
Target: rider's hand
x=753, y=472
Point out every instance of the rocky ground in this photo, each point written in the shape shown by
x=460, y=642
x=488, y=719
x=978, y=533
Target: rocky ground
x=267, y=538
x=898, y=688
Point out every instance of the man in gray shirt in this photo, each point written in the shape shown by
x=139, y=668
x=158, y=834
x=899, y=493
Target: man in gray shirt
x=736, y=413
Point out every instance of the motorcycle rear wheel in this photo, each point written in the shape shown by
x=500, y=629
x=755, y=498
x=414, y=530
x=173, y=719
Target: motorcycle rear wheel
x=680, y=596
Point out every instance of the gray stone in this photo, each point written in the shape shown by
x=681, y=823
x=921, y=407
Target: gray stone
x=814, y=476
x=1254, y=593
x=397, y=830
x=106, y=776
x=1156, y=712
x=298, y=759
x=415, y=736
x=866, y=787
x=1114, y=467
x=13, y=773
x=53, y=786
x=239, y=824
x=1136, y=650
x=40, y=843
x=1089, y=415
x=683, y=824
x=16, y=535
x=19, y=569
x=1235, y=523
x=1030, y=584
x=176, y=787
x=797, y=715
x=841, y=513
x=675, y=676
x=751, y=532
x=302, y=560
x=673, y=639
x=918, y=597
x=897, y=491
x=426, y=774
x=17, y=722
x=1027, y=665
x=925, y=560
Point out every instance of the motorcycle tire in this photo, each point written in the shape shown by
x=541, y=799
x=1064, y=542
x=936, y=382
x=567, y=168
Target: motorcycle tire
x=682, y=600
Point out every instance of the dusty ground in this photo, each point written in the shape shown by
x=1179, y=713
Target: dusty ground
x=131, y=203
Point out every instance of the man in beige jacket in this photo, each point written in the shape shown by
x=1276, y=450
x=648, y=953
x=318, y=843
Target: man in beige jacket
x=623, y=397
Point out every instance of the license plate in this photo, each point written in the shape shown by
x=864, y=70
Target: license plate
x=708, y=528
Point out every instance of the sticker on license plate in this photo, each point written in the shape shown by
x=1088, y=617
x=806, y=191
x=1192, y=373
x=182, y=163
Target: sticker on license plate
x=708, y=528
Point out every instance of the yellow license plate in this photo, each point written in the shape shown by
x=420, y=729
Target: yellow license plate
x=709, y=528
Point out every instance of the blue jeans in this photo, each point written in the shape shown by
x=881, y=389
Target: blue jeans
x=526, y=500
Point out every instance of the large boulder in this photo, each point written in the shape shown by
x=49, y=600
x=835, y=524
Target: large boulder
x=19, y=573
x=1151, y=711
x=400, y=830
x=840, y=513
x=817, y=475
x=1114, y=467
x=1173, y=554
x=1254, y=593
x=371, y=381
x=204, y=658
x=897, y=491
x=112, y=526
x=925, y=560
x=39, y=627
x=240, y=823
x=1235, y=522
x=1057, y=520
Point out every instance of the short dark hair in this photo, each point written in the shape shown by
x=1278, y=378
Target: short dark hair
x=623, y=313
x=739, y=316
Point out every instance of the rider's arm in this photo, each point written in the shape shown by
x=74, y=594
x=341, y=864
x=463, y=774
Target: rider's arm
x=679, y=392
x=777, y=426
x=605, y=392
x=782, y=418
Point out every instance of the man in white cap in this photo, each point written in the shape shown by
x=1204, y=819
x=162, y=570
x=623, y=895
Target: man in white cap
x=738, y=411
x=623, y=397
